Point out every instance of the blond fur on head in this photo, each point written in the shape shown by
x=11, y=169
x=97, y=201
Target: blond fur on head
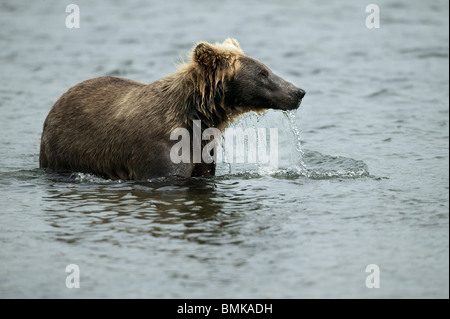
x=210, y=64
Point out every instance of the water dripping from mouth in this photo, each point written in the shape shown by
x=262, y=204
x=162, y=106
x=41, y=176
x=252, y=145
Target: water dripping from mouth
x=297, y=157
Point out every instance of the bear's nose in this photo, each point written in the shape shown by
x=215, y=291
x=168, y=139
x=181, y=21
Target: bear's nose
x=300, y=93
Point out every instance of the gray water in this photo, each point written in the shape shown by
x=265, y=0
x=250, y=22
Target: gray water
x=367, y=184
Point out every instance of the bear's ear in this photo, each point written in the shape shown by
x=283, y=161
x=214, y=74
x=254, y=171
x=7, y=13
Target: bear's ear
x=205, y=54
x=219, y=55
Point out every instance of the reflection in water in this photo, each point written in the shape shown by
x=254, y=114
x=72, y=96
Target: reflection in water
x=83, y=207
x=185, y=209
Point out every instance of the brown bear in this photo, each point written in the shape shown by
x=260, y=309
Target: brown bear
x=120, y=128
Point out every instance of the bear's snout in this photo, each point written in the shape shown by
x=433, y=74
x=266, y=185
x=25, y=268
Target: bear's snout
x=300, y=94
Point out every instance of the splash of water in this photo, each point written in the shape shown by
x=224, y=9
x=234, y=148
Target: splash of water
x=224, y=155
x=298, y=161
x=91, y=178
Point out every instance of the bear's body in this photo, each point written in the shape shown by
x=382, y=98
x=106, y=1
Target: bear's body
x=119, y=128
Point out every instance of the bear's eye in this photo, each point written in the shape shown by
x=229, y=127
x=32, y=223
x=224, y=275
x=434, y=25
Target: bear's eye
x=264, y=73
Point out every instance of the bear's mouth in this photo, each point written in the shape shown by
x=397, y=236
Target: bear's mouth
x=293, y=102
x=288, y=107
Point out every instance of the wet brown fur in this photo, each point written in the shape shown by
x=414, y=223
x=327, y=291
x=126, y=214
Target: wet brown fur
x=119, y=128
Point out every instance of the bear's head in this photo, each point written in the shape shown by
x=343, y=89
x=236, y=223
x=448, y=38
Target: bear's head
x=245, y=83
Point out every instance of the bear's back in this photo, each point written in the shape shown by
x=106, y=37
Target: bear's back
x=86, y=128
